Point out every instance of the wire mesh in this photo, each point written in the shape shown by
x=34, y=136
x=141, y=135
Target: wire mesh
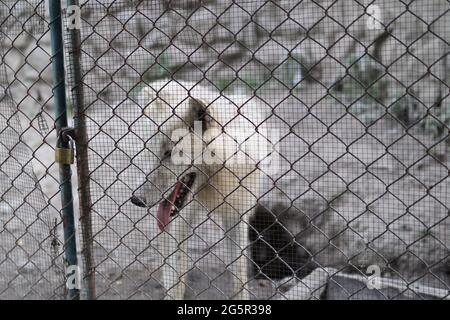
x=30, y=262
x=356, y=92
x=351, y=97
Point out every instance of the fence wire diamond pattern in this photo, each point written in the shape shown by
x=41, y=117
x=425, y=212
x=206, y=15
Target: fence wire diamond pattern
x=351, y=96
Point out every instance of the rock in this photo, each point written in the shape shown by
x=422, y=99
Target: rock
x=341, y=288
x=310, y=287
x=355, y=287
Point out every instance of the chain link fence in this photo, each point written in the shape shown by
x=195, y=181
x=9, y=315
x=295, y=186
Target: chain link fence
x=31, y=265
x=350, y=201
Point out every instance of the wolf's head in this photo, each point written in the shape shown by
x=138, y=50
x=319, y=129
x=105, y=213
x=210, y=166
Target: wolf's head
x=201, y=144
x=174, y=174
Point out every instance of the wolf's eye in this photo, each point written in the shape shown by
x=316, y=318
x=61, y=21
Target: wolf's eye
x=166, y=154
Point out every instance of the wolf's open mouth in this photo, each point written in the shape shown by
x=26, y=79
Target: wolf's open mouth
x=176, y=199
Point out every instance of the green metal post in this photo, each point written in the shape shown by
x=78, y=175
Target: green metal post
x=65, y=172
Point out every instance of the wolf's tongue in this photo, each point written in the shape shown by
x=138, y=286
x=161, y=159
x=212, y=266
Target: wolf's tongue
x=165, y=207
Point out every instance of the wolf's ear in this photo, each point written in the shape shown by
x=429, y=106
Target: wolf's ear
x=200, y=112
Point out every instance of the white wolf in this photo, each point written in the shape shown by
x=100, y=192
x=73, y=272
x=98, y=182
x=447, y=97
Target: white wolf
x=205, y=149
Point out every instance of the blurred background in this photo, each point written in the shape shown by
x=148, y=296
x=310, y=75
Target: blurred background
x=357, y=89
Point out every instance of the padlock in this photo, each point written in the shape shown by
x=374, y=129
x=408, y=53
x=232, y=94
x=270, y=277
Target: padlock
x=64, y=155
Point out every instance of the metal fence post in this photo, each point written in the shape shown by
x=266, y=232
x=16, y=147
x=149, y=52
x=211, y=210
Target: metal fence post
x=58, y=74
x=74, y=55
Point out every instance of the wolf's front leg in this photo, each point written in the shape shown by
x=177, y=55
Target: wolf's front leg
x=174, y=249
x=236, y=244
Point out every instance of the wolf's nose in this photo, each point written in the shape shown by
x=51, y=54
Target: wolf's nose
x=138, y=201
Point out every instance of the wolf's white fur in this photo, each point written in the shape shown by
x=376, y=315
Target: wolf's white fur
x=229, y=189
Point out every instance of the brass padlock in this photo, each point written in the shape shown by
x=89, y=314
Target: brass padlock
x=64, y=155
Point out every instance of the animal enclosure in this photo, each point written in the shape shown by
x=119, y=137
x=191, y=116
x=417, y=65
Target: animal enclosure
x=254, y=149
